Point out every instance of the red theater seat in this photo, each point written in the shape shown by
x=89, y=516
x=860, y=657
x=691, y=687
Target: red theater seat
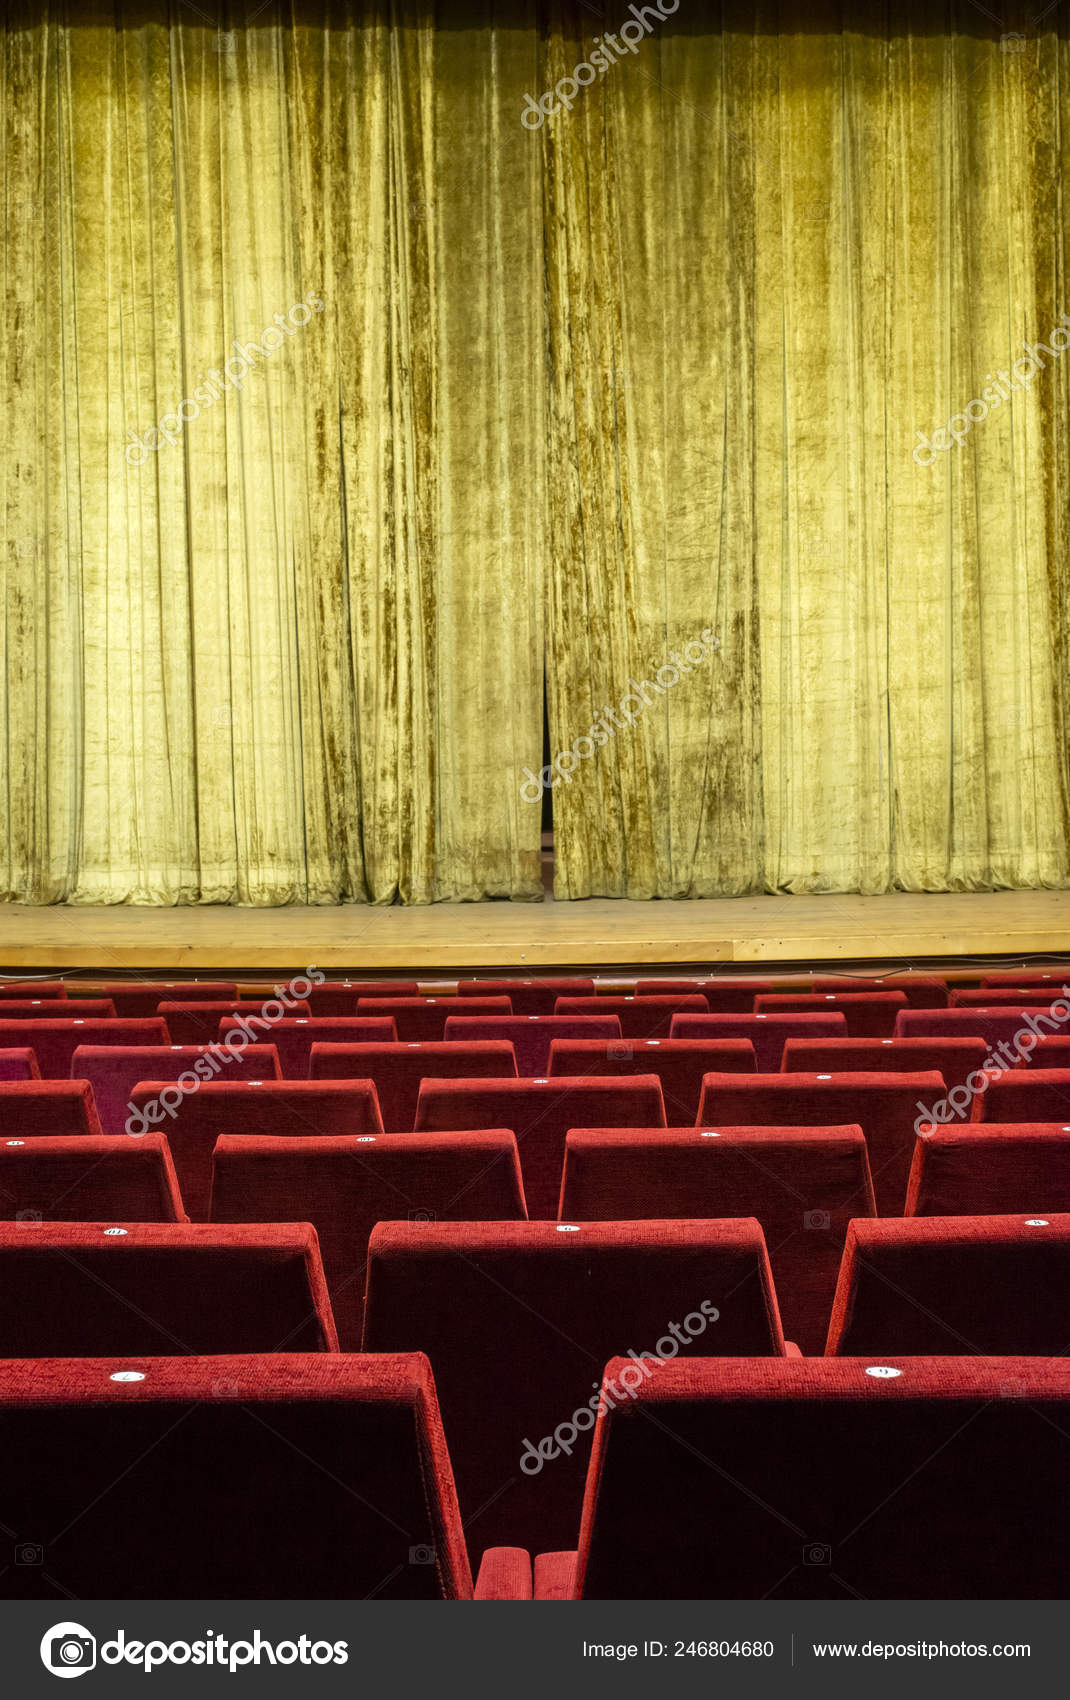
x=869, y=1015
x=339, y=997
x=1055, y=977
x=198, y=1023
x=1051, y=1051
x=275, y=1109
x=922, y=991
x=1027, y=1095
x=398, y=1069
x=767, y=1033
x=140, y=997
x=423, y=1019
x=804, y=1185
x=980, y=1284
x=722, y=997
x=19, y=1063
x=527, y=997
x=41, y=1108
x=815, y=1479
x=532, y=1035
x=1019, y=997
x=995, y=1024
x=640, y=1018
x=76, y=1290
x=954, y=1059
x=45, y=1009
x=294, y=1476
x=518, y=1320
x=113, y=1071
x=55, y=1042
x=294, y=1037
x=884, y=1106
x=991, y=1170
x=32, y=989
x=680, y=1065
x=345, y=1186
x=540, y=1114
x=89, y=1178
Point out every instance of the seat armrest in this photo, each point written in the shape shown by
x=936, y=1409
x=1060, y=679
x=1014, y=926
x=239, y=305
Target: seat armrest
x=505, y=1574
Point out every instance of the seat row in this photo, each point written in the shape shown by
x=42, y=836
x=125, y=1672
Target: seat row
x=339, y=1476
x=803, y=1185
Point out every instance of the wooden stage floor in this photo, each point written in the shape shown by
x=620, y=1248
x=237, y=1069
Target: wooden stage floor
x=602, y=932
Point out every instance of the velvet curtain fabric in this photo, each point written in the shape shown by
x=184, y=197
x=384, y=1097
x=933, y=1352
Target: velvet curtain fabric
x=524, y=403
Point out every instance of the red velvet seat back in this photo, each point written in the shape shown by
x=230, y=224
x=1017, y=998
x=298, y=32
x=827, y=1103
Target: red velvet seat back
x=198, y=1023
x=89, y=1178
x=19, y=1063
x=140, y=997
x=277, y=1109
x=54, y=1042
x=884, y=1106
x=425, y=1018
x=398, y=1069
x=817, y=1480
x=722, y=997
x=531, y=1035
x=540, y=1114
x=32, y=989
x=995, y=997
x=804, y=1185
x=922, y=991
x=44, y=1009
x=519, y=1319
x=767, y=1033
x=280, y=1477
x=115, y=1070
x=345, y=1186
x=953, y=1059
x=640, y=1018
x=869, y=1015
x=994, y=1023
x=680, y=1065
x=116, y=1289
x=36, y=1109
x=528, y=997
x=1050, y=1051
x=991, y=1169
x=1028, y=1095
x=1055, y=977
x=294, y=1037
x=943, y=1285
x=339, y=997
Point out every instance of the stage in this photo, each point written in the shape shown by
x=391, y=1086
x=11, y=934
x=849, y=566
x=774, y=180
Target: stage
x=603, y=933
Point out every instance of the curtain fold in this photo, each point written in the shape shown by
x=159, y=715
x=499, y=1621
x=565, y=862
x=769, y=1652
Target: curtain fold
x=341, y=405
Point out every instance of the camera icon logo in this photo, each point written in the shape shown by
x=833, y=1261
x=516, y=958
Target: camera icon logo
x=816, y=1552
x=619, y=1053
x=29, y=1552
x=819, y=1219
x=68, y=1649
x=423, y=1215
x=421, y=1555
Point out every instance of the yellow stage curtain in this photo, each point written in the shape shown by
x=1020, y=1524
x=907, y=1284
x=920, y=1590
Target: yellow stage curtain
x=294, y=654
x=530, y=402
